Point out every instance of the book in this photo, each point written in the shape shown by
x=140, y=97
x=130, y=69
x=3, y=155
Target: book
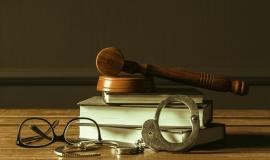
x=212, y=133
x=172, y=116
x=152, y=97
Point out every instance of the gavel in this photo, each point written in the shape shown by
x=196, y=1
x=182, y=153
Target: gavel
x=110, y=62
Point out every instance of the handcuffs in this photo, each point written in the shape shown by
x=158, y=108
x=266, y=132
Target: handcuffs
x=82, y=149
x=151, y=136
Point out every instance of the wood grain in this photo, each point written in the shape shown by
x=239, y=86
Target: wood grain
x=247, y=138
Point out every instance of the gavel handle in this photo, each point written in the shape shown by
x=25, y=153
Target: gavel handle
x=203, y=80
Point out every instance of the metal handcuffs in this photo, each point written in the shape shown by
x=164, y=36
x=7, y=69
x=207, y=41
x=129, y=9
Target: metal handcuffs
x=151, y=135
x=151, y=132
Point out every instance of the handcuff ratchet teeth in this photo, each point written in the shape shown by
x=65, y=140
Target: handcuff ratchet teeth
x=151, y=132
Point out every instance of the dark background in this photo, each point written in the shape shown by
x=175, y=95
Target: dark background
x=48, y=47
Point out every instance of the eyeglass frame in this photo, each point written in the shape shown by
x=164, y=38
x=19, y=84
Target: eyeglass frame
x=55, y=137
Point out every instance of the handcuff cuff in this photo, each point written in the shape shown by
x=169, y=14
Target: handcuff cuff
x=77, y=150
x=151, y=136
x=82, y=149
x=151, y=132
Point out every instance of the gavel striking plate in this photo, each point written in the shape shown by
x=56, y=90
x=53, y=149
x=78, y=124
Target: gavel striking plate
x=125, y=84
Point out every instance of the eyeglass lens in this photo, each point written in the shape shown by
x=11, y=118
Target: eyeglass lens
x=80, y=130
x=36, y=132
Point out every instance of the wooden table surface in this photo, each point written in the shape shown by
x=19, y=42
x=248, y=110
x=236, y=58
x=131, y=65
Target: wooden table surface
x=247, y=137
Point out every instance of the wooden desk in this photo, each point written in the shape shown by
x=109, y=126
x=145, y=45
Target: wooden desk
x=248, y=136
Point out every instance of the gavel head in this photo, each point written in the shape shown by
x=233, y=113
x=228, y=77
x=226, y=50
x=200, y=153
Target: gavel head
x=110, y=61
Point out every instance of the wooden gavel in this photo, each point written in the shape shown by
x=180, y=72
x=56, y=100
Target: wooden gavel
x=110, y=62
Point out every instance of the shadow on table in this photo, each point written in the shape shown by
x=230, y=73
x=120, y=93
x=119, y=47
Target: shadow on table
x=235, y=142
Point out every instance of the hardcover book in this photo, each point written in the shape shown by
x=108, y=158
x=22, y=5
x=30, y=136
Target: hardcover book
x=152, y=97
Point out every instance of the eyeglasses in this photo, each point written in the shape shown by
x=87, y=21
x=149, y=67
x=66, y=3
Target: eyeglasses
x=38, y=132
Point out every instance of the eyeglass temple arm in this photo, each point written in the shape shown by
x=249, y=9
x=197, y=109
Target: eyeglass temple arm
x=38, y=131
x=38, y=138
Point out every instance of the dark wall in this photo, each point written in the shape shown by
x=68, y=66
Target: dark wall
x=48, y=47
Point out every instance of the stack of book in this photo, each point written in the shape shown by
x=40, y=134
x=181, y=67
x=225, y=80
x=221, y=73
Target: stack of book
x=121, y=116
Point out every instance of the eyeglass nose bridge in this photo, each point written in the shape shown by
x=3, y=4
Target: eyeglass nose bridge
x=60, y=138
